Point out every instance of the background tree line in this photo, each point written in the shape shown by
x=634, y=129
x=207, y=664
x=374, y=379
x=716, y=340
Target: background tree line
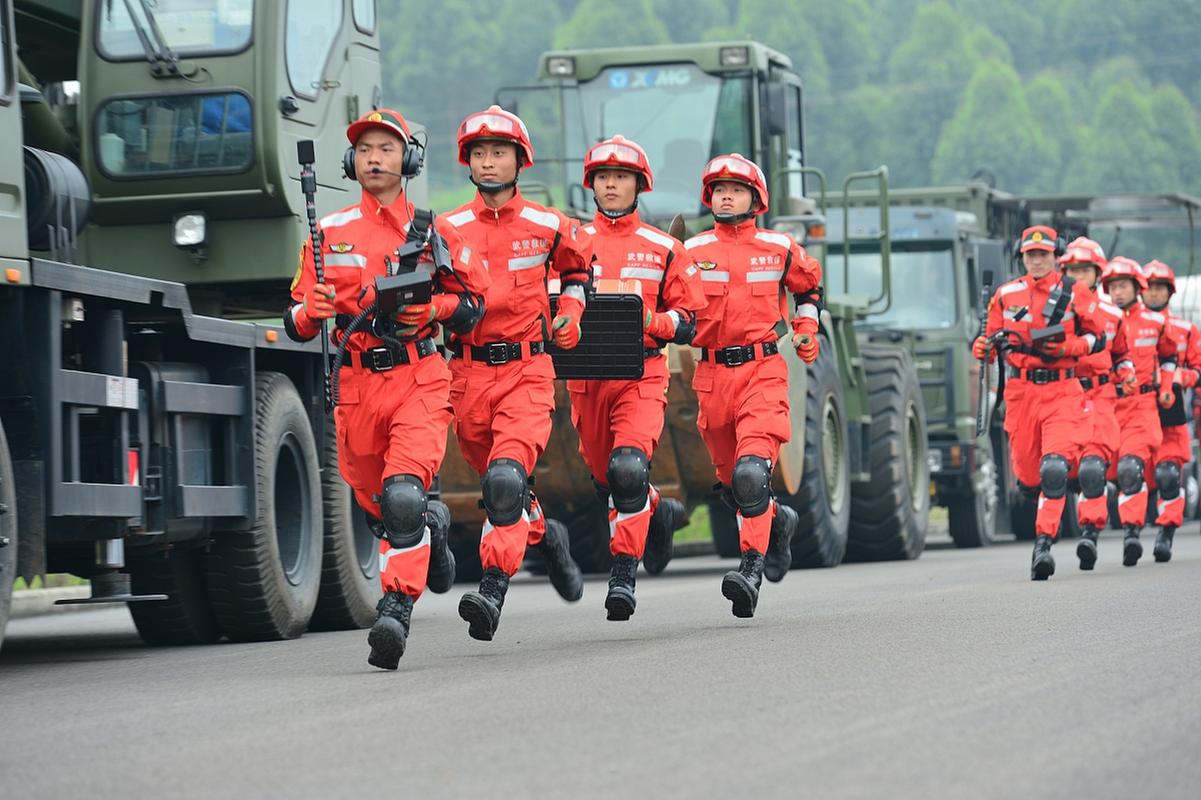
x=1077, y=96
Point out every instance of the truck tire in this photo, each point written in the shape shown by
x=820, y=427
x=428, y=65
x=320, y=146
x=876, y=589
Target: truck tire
x=972, y=517
x=823, y=500
x=186, y=617
x=8, y=532
x=350, y=560
x=890, y=513
x=263, y=582
x=723, y=525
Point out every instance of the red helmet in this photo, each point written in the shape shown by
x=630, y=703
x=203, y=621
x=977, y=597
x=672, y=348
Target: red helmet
x=1084, y=250
x=383, y=118
x=1159, y=272
x=618, y=153
x=738, y=169
x=498, y=125
x=1122, y=267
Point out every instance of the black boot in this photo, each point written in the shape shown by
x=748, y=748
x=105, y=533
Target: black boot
x=482, y=609
x=564, y=573
x=1086, y=548
x=1163, y=544
x=441, y=575
x=778, y=559
x=390, y=631
x=1132, y=548
x=741, y=586
x=667, y=519
x=1042, y=565
x=620, y=602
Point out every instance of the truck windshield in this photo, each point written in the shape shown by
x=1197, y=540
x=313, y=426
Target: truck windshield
x=681, y=115
x=188, y=27
x=195, y=133
x=923, y=283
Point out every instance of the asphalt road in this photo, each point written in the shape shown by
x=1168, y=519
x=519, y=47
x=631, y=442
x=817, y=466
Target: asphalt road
x=953, y=676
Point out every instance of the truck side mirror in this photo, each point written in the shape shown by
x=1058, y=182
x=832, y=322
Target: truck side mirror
x=776, y=109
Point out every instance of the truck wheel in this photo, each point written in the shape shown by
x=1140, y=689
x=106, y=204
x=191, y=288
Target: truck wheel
x=823, y=500
x=186, y=617
x=263, y=583
x=890, y=513
x=723, y=524
x=589, y=531
x=973, y=517
x=8, y=532
x=350, y=562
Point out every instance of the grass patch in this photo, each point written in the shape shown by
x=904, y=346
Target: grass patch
x=53, y=581
x=697, y=529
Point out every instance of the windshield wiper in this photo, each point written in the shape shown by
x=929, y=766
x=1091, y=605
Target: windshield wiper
x=162, y=59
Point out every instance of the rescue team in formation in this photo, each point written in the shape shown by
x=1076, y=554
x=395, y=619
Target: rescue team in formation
x=725, y=290
x=1081, y=405
x=1094, y=391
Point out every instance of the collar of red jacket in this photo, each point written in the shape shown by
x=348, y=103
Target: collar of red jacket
x=1045, y=283
x=503, y=215
x=742, y=231
x=627, y=224
x=395, y=216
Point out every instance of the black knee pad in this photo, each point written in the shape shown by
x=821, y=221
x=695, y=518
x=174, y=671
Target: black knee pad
x=1053, y=475
x=752, y=485
x=629, y=477
x=505, y=485
x=1092, y=476
x=1167, y=480
x=1130, y=474
x=402, y=505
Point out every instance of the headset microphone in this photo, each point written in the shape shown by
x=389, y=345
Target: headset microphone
x=378, y=171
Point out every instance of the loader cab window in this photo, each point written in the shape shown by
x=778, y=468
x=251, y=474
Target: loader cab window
x=5, y=86
x=129, y=31
x=364, y=15
x=794, y=146
x=312, y=28
x=199, y=133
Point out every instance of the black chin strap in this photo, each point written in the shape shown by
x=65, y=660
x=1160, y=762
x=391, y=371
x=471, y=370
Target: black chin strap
x=492, y=187
x=1155, y=308
x=733, y=219
x=625, y=212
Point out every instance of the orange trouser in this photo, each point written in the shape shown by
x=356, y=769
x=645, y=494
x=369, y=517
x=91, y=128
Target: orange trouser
x=1094, y=511
x=1138, y=417
x=504, y=412
x=1042, y=419
x=744, y=412
x=1177, y=448
x=394, y=423
x=612, y=414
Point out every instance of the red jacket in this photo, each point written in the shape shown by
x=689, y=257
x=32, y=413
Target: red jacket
x=355, y=242
x=746, y=272
x=628, y=250
x=1094, y=365
x=519, y=243
x=1018, y=306
x=1148, y=340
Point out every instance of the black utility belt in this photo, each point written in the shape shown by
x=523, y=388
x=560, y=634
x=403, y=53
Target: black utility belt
x=382, y=359
x=1100, y=380
x=1145, y=388
x=496, y=353
x=1040, y=375
x=739, y=354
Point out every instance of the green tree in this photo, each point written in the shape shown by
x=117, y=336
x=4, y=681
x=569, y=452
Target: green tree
x=1120, y=152
x=1176, y=130
x=610, y=23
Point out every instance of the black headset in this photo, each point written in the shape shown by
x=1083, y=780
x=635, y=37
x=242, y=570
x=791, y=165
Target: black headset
x=410, y=165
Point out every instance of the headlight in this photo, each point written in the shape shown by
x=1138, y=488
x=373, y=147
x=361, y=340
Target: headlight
x=934, y=460
x=560, y=66
x=734, y=56
x=189, y=230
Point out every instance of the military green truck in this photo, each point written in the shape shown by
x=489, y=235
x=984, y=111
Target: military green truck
x=944, y=240
x=856, y=468
x=153, y=438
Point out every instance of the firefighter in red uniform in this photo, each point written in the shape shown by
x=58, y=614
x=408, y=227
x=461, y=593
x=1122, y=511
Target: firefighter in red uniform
x=619, y=422
x=502, y=390
x=1174, y=452
x=741, y=383
x=1149, y=343
x=1085, y=262
x=393, y=401
x=1047, y=323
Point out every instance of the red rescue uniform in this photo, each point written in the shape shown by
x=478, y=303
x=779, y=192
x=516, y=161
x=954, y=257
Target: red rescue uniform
x=502, y=386
x=613, y=414
x=391, y=422
x=1176, y=445
x=741, y=383
x=1046, y=409
x=1095, y=373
